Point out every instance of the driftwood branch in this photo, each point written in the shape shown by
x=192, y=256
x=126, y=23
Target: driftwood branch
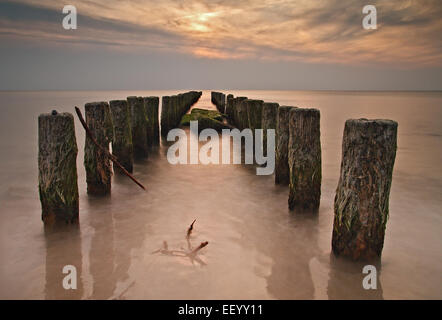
x=111, y=156
x=189, y=231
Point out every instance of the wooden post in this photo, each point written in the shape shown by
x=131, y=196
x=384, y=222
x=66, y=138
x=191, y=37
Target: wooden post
x=241, y=109
x=218, y=99
x=174, y=112
x=254, y=114
x=139, y=123
x=57, y=168
x=304, y=156
x=153, y=130
x=361, y=202
x=122, y=146
x=269, y=115
x=222, y=103
x=165, y=111
x=96, y=162
x=229, y=107
x=282, y=171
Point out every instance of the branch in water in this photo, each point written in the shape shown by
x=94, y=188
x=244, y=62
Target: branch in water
x=202, y=245
x=109, y=155
x=189, y=231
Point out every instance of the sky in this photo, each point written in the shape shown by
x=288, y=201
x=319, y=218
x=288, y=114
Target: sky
x=221, y=44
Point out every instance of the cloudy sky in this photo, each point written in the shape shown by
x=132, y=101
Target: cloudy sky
x=221, y=44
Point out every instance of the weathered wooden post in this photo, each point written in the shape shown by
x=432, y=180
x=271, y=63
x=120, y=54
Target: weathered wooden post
x=362, y=197
x=222, y=103
x=165, y=111
x=122, y=146
x=182, y=108
x=254, y=114
x=153, y=130
x=304, y=158
x=57, y=168
x=96, y=162
x=219, y=100
x=282, y=171
x=174, y=111
x=269, y=115
x=241, y=109
x=139, y=124
x=236, y=102
x=229, y=106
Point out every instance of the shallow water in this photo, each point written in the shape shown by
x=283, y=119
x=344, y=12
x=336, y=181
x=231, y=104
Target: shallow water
x=257, y=248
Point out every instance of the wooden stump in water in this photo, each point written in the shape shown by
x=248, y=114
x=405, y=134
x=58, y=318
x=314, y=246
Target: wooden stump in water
x=304, y=159
x=153, y=130
x=139, y=125
x=165, y=111
x=229, y=107
x=242, y=117
x=219, y=100
x=57, y=168
x=96, y=162
x=254, y=114
x=361, y=202
x=174, y=112
x=122, y=146
x=282, y=171
x=269, y=115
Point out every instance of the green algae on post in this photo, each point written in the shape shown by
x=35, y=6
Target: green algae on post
x=57, y=168
x=362, y=197
x=206, y=119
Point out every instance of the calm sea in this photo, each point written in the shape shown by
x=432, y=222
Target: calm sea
x=257, y=248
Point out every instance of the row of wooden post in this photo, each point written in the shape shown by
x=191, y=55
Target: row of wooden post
x=368, y=154
x=174, y=107
x=131, y=125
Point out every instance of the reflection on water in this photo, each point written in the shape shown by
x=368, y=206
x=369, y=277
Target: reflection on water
x=257, y=248
x=345, y=279
x=63, y=248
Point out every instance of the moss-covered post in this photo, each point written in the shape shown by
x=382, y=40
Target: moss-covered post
x=57, y=168
x=153, y=130
x=362, y=197
x=139, y=126
x=165, y=111
x=122, y=146
x=269, y=115
x=96, y=162
x=282, y=171
x=304, y=156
